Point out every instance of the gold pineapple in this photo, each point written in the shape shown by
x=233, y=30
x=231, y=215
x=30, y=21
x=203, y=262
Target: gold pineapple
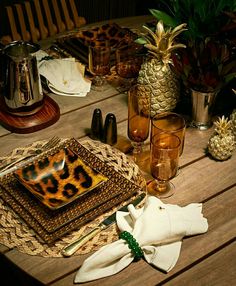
x=221, y=144
x=160, y=81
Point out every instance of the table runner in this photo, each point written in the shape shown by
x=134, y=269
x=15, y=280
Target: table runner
x=15, y=233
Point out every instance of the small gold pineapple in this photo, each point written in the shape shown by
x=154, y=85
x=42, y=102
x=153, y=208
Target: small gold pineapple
x=221, y=144
x=156, y=74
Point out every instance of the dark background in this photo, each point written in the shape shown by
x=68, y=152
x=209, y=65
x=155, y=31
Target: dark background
x=92, y=10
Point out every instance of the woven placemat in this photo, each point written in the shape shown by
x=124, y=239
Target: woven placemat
x=15, y=233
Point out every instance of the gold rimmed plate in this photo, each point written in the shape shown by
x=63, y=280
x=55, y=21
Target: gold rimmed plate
x=60, y=178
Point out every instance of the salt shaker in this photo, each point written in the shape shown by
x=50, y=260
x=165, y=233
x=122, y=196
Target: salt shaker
x=97, y=125
x=110, y=129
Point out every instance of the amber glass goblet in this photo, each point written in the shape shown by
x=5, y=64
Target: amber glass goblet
x=164, y=164
x=128, y=63
x=99, y=64
x=169, y=122
x=138, y=117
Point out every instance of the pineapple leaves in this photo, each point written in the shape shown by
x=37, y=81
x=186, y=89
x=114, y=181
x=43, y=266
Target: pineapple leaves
x=160, y=43
x=152, y=34
x=177, y=46
x=152, y=48
x=160, y=29
x=166, y=19
x=178, y=30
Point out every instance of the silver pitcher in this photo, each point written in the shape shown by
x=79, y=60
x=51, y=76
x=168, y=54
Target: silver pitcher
x=22, y=92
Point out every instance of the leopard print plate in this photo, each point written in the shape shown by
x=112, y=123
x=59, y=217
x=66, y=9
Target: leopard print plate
x=112, y=32
x=58, y=179
x=76, y=44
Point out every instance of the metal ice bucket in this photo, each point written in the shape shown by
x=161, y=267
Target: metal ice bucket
x=21, y=93
x=202, y=109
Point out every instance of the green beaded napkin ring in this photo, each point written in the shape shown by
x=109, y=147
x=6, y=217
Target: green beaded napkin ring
x=133, y=244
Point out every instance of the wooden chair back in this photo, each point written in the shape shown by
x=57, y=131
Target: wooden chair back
x=36, y=20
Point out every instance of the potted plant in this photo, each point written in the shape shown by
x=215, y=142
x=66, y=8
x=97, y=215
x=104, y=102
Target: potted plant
x=208, y=63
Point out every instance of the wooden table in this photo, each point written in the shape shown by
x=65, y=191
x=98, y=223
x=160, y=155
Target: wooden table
x=207, y=259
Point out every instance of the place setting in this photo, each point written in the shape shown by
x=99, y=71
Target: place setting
x=77, y=43
x=108, y=54
x=54, y=212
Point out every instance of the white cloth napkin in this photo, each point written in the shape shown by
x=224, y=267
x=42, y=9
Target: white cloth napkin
x=64, y=76
x=157, y=227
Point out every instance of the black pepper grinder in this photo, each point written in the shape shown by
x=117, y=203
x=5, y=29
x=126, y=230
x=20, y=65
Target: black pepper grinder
x=110, y=129
x=96, y=132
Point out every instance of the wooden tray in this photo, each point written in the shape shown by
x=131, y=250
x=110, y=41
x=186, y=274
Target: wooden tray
x=46, y=116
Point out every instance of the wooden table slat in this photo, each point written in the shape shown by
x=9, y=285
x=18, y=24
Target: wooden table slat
x=213, y=271
x=193, y=248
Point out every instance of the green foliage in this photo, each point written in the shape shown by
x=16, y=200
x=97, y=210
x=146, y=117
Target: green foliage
x=167, y=19
x=206, y=66
x=209, y=61
x=203, y=17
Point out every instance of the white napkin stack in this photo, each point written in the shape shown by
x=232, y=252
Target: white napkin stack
x=64, y=76
x=157, y=227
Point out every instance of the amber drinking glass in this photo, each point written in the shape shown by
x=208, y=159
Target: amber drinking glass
x=99, y=64
x=164, y=164
x=169, y=122
x=128, y=63
x=138, y=117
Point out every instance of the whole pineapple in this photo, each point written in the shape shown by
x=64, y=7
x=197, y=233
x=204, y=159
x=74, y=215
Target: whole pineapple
x=233, y=119
x=160, y=81
x=221, y=144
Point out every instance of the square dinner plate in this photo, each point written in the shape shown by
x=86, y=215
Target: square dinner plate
x=59, y=179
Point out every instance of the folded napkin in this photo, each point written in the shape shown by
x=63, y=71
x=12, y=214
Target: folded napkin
x=157, y=227
x=64, y=76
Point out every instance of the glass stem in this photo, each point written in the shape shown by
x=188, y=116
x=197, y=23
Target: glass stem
x=138, y=147
x=99, y=80
x=163, y=186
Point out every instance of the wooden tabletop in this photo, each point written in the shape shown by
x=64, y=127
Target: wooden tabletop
x=207, y=259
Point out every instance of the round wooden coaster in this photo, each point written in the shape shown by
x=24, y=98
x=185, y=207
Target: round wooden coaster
x=46, y=116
